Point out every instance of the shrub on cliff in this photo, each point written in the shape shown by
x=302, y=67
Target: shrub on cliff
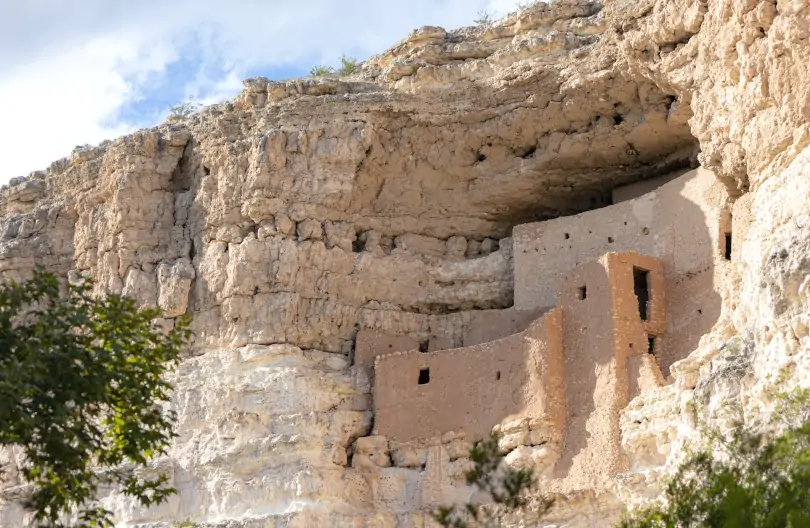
x=81, y=388
x=484, y=18
x=348, y=66
x=184, y=109
x=321, y=71
x=505, y=489
x=750, y=480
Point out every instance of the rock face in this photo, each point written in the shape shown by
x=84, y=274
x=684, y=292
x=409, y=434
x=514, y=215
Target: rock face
x=303, y=212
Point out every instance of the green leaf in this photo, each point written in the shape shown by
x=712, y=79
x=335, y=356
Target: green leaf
x=81, y=389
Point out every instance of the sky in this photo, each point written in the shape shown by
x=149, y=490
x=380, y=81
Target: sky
x=76, y=72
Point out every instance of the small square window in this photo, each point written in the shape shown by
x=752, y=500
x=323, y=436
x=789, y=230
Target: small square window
x=424, y=376
x=582, y=293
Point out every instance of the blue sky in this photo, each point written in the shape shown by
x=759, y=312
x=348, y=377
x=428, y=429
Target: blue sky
x=76, y=72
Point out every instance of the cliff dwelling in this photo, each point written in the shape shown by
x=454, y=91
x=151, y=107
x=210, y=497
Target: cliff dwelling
x=583, y=226
x=605, y=302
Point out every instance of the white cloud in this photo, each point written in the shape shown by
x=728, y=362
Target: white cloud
x=48, y=107
x=68, y=66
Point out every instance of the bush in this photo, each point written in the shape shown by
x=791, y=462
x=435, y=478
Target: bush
x=184, y=109
x=750, y=480
x=484, y=18
x=348, y=66
x=321, y=71
x=505, y=488
x=747, y=481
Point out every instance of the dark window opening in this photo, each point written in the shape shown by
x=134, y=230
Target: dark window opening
x=423, y=346
x=610, y=240
x=582, y=293
x=424, y=376
x=617, y=120
x=498, y=375
x=651, y=345
x=727, y=252
x=641, y=287
x=567, y=236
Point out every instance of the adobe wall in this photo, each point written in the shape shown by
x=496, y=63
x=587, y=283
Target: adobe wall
x=489, y=325
x=643, y=375
x=602, y=328
x=474, y=388
x=640, y=188
x=479, y=326
x=590, y=379
x=680, y=223
x=573, y=370
x=630, y=331
x=369, y=344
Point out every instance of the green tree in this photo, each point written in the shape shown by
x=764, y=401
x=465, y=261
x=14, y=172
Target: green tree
x=81, y=392
x=749, y=480
x=505, y=488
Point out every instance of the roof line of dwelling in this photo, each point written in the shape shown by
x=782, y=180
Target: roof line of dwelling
x=449, y=351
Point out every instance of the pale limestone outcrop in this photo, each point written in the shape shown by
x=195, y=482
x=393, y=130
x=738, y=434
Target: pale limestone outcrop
x=303, y=211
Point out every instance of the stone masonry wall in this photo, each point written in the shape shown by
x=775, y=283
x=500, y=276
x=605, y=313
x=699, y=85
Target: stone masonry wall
x=681, y=223
x=424, y=395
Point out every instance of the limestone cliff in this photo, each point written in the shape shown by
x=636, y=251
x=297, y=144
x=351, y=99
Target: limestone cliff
x=305, y=211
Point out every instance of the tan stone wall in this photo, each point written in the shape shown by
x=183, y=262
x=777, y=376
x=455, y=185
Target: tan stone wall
x=643, y=375
x=630, y=331
x=573, y=369
x=446, y=332
x=471, y=389
x=489, y=325
x=640, y=188
x=591, y=431
x=602, y=328
x=681, y=223
x=369, y=345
